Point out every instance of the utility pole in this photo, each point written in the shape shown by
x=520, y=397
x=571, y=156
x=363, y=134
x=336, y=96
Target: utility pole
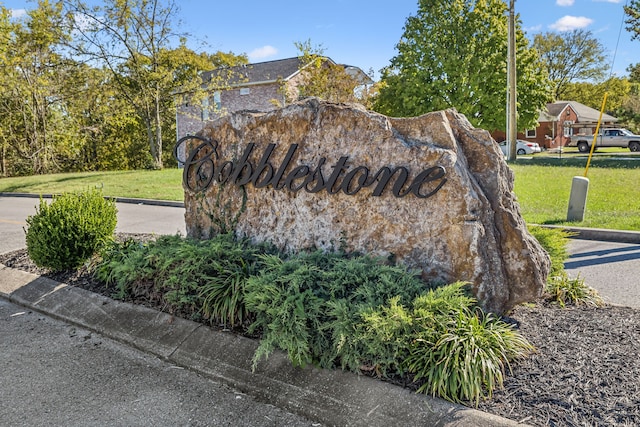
x=512, y=113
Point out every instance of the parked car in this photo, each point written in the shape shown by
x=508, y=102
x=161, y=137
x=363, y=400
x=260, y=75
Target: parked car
x=522, y=147
x=615, y=137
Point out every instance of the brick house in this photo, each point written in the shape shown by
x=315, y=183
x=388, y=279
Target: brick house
x=261, y=86
x=559, y=121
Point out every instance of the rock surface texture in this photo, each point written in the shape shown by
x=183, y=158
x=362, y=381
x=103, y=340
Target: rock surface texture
x=431, y=192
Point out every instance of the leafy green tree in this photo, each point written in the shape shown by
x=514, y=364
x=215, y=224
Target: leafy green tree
x=634, y=73
x=623, y=98
x=632, y=11
x=454, y=54
x=128, y=38
x=59, y=114
x=591, y=94
x=183, y=67
x=35, y=79
x=107, y=126
x=6, y=30
x=630, y=111
x=132, y=39
x=571, y=56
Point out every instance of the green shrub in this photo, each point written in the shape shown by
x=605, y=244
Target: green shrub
x=327, y=309
x=382, y=336
x=382, y=339
x=71, y=229
x=192, y=277
x=308, y=305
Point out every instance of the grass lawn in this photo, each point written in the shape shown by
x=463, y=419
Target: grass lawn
x=542, y=185
x=163, y=184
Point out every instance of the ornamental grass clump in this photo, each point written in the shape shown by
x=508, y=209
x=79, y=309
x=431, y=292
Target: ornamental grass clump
x=201, y=279
x=463, y=357
x=67, y=232
x=560, y=288
x=451, y=348
x=564, y=291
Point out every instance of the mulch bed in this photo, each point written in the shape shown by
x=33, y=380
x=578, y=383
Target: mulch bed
x=586, y=371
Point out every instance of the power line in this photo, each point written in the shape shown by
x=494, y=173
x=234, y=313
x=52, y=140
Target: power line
x=615, y=51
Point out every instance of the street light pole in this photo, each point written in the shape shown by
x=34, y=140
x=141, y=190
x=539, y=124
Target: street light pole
x=512, y=112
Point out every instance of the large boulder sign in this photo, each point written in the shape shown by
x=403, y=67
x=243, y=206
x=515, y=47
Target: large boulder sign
x=431, y=192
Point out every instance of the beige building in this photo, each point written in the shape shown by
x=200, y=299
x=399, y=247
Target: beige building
x=261, y=86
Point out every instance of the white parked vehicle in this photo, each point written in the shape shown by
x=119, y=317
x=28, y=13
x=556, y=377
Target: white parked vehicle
x=614, y=137
x=522, y=147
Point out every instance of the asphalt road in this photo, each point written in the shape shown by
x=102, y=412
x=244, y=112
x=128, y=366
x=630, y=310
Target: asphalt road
x=613, y=269
x=56, y=374
x=53, y=373
x=132, y=218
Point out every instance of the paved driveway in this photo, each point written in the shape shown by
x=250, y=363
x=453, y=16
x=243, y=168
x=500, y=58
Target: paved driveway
x=613, y=269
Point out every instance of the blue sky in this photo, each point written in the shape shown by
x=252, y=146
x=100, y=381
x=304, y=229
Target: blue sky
x=364, y=33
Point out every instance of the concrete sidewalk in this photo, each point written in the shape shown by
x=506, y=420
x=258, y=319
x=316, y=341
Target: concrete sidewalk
x=328, y=397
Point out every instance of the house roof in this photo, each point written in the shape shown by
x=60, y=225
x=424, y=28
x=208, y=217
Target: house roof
x=271, y=71
x=585, y=114
x=260, y=72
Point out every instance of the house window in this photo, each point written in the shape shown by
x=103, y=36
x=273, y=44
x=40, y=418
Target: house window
x=531, y=133
x=245, y=91
x=568, y=128
x=205, y=109
x=217, y=101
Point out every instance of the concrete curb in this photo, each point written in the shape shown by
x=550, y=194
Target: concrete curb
x=601, y=234
x=329, y=397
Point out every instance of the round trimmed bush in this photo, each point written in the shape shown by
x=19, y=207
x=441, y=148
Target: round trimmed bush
x=68, y=231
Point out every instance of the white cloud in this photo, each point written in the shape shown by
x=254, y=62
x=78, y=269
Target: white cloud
x=565, y=3
x=262, y=52
x=533, y=29
x=568, y=23
x=18, y=13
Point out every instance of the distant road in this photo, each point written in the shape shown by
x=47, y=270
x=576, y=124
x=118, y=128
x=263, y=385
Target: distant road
x=132, y=218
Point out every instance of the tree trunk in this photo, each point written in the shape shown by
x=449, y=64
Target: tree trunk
x=151, y=140
x=3, y=164
x=158, y=133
